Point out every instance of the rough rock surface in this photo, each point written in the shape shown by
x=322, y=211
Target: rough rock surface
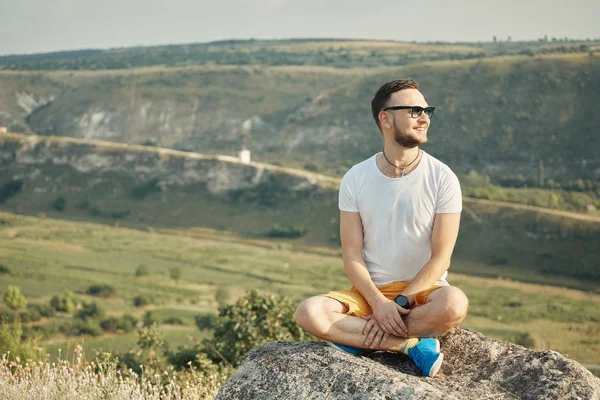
x=475, y=367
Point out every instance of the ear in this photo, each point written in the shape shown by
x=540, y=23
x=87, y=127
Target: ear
x=385, y=119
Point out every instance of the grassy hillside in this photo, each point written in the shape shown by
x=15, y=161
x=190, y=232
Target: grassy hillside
x=523, y=121
x=325, y=52
x=47, y=256
x=148, y=187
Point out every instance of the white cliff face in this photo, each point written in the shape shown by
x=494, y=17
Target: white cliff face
x=28, y=103
x=220, y=174
x=96, y=125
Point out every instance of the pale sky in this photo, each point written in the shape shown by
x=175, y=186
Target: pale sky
x=30, y=26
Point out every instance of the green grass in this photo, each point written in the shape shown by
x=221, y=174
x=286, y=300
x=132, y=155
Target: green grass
x=38, y=249
x=175, y=337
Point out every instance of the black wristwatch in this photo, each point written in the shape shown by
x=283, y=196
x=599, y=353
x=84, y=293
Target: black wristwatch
x=402, y=301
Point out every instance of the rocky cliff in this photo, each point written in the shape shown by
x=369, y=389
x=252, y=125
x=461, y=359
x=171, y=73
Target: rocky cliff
x=475, y=367
x=35, y=160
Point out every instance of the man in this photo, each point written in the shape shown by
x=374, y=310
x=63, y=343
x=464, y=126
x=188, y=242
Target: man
x=399, y=218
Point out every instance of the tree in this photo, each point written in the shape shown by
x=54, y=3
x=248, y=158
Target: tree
x=14, y=299
x=64, y=302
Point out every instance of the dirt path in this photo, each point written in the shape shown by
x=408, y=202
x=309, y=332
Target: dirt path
x=560, y=213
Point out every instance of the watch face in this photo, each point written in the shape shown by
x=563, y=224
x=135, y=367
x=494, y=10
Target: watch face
x=402, y=301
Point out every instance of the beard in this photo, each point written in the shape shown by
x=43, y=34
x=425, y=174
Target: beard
x=406, y=140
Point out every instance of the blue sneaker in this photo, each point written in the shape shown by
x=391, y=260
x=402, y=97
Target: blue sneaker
x=426, y=356
x=347, y=349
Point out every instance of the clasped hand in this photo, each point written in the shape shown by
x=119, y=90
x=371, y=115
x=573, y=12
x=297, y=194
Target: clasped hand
x=386, y=320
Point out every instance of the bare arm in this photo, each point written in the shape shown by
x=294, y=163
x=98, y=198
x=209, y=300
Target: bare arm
x=386, y=312
x=443, y=239
x=351, y=234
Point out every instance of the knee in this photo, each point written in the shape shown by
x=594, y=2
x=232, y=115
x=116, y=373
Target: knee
x=457, y=305
x=307, y=314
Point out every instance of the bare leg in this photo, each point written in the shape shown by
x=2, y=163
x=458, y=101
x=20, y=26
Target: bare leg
x=326, y=318
x=444, y=309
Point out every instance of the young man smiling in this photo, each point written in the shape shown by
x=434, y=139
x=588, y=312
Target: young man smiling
x=399, y=219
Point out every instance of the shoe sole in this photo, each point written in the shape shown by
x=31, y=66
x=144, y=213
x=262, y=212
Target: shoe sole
x=337, y=347
x=436, y=365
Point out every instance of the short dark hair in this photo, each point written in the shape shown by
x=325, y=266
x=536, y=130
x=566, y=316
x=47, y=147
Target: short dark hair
x=385, y=91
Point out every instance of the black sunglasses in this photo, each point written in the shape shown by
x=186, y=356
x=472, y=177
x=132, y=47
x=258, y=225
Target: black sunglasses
x=415, y=111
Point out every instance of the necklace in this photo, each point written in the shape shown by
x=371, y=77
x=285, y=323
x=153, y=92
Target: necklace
x=398, y=168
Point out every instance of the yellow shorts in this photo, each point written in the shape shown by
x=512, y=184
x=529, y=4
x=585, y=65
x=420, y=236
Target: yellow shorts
x=358, y=306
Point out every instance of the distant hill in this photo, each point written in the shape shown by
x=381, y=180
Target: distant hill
x=503, y=116
x=341, y=53
x=144, y=187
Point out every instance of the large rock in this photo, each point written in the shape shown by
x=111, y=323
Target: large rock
x=475, y=367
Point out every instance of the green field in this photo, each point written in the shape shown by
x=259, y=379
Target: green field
x=47, y=256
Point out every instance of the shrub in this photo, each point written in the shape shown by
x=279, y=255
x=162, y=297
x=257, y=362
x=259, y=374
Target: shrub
x=101, y=290
x=60, y=203
x=150, y=318
x=120, y=214
x=10, y=189
x=289, y=232
x=17, y=345
x=251, y=322
x=89, y=310
x=174, y=321
x=205, y=321
x=175, y=273
x=29, y=315
x=14, y=299
x=64, y=302
x=79, y=327
x=142, y=270
x=140, y=301
x=45, y=310
x=4, y=269
x=127, y=322
x=142, y=190
x=110, y=324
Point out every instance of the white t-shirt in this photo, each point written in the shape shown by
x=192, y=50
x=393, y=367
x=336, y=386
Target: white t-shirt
x=397, y=214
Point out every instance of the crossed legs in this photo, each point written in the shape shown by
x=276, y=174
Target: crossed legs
x=326, y=318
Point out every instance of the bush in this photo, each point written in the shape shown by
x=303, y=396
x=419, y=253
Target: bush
x=142, y=270
x=29, y=315
x=140, y=301
x=110, y=324
x=127, y=322
x=175, y=273
x=251, y=322
x=174, y=321
x=79, y=327
x=89, y=310
x=14, y=299
x=142, y=190
x=206, y=321
x=4, y=269
x=101, y=290
x=60, y=203
x=10, y=189
x=150, y=318
x=120, y=214
x=45, y=310
x=64, y=302
x=17, y=345
x=288, y=232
